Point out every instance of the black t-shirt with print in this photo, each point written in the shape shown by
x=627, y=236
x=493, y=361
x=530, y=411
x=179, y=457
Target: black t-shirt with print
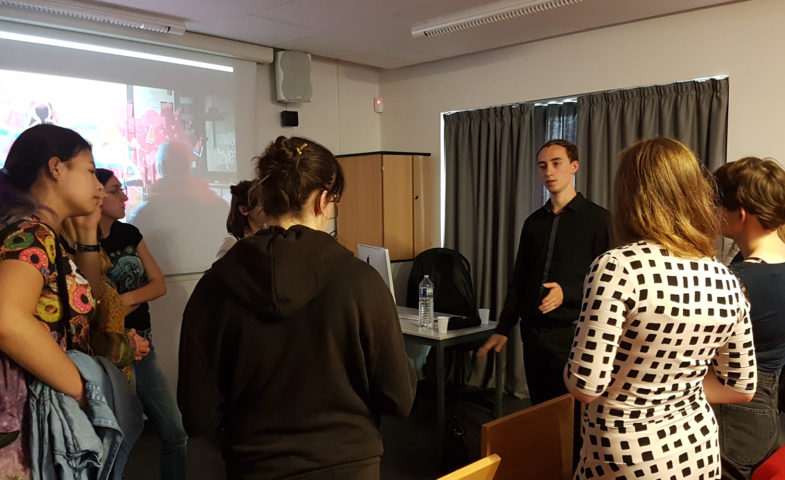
x=127, y=271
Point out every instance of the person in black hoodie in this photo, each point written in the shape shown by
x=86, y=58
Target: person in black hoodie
x=289, y=343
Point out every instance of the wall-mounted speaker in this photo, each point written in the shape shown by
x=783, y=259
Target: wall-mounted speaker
x=293, y=76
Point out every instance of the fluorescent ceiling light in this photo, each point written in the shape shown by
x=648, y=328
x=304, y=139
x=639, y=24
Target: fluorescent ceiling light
x=100, y=13
x=491, y=13
x=19, y=37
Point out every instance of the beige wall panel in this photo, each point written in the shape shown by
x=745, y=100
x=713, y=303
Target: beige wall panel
x=424, y=198
x=397, y=188
x=360, y=210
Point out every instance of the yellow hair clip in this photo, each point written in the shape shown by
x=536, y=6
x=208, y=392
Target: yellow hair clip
x=301, y=148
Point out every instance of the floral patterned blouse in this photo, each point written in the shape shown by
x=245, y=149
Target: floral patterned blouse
x=29, y=240
x=33, y=242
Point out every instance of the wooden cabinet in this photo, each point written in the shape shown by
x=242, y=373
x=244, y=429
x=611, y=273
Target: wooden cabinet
x=387, y=201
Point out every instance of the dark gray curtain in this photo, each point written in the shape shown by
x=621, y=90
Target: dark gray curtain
x=695, y=113
x=488, y=174
x=489, y=168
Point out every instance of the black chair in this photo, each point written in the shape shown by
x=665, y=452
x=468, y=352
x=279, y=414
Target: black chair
x=451, y=276
x=453, y=290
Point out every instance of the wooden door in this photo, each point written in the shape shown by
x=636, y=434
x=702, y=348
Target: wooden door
x=397, y=201
x=360, y=218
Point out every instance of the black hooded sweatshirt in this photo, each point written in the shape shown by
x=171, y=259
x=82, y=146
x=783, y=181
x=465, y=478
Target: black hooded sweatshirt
x=292, y=346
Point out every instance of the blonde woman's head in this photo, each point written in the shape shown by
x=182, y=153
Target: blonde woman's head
x=663, y=194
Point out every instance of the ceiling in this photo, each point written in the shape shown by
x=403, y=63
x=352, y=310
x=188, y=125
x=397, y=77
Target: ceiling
x=377, y=32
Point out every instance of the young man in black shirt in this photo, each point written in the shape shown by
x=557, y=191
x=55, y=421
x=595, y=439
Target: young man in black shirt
x=558, y=243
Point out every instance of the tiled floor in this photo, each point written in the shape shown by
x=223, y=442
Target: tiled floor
x=411, y=450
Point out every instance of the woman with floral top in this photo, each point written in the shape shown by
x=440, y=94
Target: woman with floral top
x=45, y=304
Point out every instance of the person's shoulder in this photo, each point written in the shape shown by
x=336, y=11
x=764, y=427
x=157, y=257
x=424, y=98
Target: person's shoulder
x=657, y=254
x=540, y=213
x=126, y=228
x=625, y=259
x=721, y=272
x=209, y=286
x=126, y=232
x=355, y=269
x=737, y=267
x=635, y=251
x=227, y=243
x=30, y=240
x=712, y=263
x=751, y=269
x=357, y=276
x=595, y=208
x=18, y=222
x=29, y=227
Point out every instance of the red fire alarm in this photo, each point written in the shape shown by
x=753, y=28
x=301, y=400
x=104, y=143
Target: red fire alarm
x=378, y=105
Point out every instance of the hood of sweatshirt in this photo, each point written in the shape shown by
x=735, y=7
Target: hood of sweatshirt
x=277, y=272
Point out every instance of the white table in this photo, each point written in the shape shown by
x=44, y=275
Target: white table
x=439, y=341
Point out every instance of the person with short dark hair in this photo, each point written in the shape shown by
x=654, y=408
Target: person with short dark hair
x=752, y=202
x=289, y=343
x=246, y=216
x=558, y=242
x=664, y=328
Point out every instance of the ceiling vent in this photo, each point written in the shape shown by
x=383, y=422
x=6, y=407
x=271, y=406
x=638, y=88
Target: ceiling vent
x=100, y=13
x=486, y=15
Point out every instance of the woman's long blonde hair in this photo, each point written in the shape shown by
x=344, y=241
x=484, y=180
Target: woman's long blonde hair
x=663, y=194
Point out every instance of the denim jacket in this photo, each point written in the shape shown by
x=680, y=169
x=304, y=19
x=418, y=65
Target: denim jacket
x=67, y=442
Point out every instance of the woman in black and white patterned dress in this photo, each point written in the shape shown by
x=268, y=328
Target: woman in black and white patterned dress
x=664, y=328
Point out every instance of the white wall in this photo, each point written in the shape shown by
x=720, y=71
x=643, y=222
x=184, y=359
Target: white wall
x=742, y=40
x=166, y=314
x=340, y=117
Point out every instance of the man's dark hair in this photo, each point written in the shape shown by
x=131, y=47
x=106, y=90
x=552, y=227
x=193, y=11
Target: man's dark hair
x=572, y=150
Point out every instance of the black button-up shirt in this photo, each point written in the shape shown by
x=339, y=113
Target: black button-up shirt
x=581, y=234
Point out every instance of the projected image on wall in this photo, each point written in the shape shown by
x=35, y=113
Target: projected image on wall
x=130, y=128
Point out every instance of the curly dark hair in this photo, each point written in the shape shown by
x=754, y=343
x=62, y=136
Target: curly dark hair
x=290, y=170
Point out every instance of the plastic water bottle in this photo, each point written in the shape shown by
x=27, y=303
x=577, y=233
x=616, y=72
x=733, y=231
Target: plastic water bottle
x=425, y=290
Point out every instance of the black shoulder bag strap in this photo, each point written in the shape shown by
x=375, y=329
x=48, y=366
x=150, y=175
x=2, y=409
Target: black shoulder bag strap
x=62, y=266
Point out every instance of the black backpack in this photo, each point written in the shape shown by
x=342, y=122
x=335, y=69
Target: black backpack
x=452, y=282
